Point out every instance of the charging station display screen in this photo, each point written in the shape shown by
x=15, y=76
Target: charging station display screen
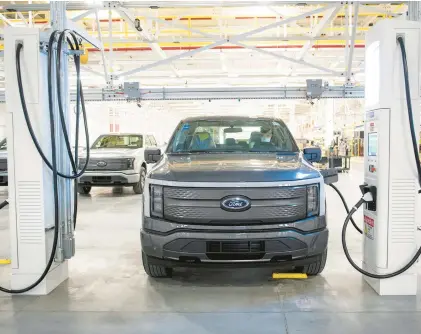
x=372, y=144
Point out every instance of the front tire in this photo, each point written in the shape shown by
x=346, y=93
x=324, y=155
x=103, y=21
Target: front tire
x=153, y=270
x=317, y=267
x=138, y=187
x=84, y=190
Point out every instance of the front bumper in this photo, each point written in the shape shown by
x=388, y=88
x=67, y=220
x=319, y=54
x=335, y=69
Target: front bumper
x=290, y=244
x=104, y=179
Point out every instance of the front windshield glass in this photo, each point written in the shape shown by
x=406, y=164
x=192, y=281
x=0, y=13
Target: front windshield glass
x=3, y=145
x=119, y=141
x=230, y=135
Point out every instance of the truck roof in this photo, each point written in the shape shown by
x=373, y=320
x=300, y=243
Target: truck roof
x=126, y=134
x=227, y=118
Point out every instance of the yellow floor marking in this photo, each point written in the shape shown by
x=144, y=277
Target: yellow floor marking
x=288, y=276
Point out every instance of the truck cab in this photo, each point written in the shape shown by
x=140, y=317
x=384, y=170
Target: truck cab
x=233, y=191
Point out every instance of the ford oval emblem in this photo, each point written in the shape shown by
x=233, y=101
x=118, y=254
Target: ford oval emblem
x=101, y=163
x=235, y=203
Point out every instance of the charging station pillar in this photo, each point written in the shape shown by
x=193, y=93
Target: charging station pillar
x=30, y=181
x=390, y=226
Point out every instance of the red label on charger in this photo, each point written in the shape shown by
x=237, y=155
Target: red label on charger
x=369, y=221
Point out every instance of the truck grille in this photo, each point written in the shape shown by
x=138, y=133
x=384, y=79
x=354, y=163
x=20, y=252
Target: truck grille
x=203, y=205
x=3, y=165
x=97, y=164
x=235, y=250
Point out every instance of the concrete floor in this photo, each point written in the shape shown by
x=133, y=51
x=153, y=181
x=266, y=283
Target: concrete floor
x=108, y=292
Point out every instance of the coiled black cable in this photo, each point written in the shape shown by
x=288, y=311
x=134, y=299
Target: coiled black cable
x=50, y=90
x=362, y=271
x=3, y=204
x=418, y=165
x=53, y=164
x=346, y=208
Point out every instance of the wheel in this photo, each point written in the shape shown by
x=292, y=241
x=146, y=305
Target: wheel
x=154, y=270
x=138, y=187
x=317, y=267
x=84, y=190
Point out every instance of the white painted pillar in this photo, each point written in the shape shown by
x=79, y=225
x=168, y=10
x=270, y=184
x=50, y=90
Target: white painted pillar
x=328, y=108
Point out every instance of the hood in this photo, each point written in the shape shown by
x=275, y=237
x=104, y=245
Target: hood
x=233, y=168
x=112, y=152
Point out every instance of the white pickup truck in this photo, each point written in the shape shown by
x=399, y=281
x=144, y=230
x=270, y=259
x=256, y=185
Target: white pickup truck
x=116, y=160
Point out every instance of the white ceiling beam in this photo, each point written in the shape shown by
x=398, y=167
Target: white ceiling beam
x=351, y=50
x=280, y=56
x=104, y=62
x=234, y=39
x=23, y=18
x=110, y=44
x=330, y=14
x=278, y=13
x=130, y=19
x=6, y=20
x=328, y=17
x=174, y=23
x=84, y=34
x=84, y=14
x=346, y=26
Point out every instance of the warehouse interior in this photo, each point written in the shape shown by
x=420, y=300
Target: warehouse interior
x=146, y=66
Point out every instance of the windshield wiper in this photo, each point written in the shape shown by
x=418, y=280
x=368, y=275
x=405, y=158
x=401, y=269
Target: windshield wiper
x=274, y=151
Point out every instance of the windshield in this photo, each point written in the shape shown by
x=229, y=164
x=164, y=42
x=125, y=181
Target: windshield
x=3, y=145
x=230, y=135
x=119, y=141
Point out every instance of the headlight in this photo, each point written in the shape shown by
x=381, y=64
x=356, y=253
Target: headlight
x=130, y=163
x=157, y=201
x=313, y=200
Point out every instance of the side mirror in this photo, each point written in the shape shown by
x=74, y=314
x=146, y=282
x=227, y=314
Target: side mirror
x=152, y=155
x=312, y=154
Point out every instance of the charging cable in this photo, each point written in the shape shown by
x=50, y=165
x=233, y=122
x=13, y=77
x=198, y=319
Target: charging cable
x=346, y=207
x=368, y=198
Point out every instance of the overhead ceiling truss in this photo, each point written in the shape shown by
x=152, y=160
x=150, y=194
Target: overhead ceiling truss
x=236, y=40
x=243, y=40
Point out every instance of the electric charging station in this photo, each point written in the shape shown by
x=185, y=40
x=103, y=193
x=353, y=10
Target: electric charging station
x=43, y=170
x=30, y=181
x=390, y=223
x=391, y=175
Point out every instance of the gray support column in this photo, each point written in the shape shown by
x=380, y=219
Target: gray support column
x=66, y=246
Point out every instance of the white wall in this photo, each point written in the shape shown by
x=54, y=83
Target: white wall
x=127, y=117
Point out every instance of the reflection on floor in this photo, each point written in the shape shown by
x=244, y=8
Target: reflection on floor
x=108, y=291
